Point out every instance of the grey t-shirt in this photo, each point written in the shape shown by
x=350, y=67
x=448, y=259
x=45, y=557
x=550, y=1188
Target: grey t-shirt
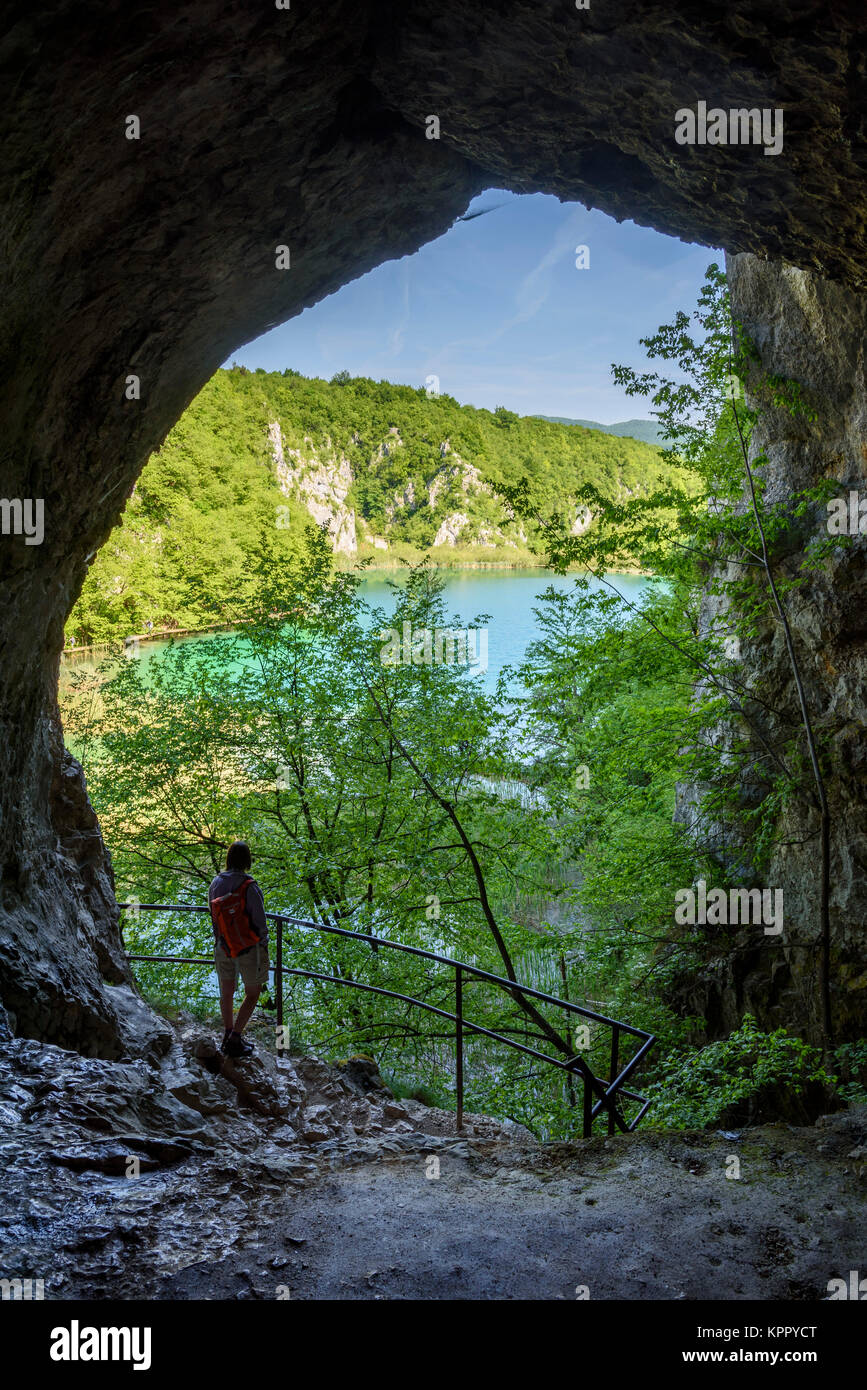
x=228, y=882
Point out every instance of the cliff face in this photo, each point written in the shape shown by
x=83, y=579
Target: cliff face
x=59, y=939
x=139, y=254
x=321, y=485
x=322, y=482
x=815, y=333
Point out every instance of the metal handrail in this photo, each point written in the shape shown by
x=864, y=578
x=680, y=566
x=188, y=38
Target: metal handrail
x=606, y=1093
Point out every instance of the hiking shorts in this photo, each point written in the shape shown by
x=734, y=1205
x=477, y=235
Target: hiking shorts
x=253, y=965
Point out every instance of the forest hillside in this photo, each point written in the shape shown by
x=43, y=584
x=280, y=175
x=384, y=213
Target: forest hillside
x=392, y=471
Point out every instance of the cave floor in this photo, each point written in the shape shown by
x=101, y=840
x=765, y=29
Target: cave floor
x=646, y=1217
x=290, y=1178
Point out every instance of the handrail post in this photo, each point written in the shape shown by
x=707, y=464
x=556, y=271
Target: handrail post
x=278, y=973
x=588, y=1108
x=612, y=1076
x=459, y=1043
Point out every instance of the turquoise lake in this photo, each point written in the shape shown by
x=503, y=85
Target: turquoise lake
x=508, y=596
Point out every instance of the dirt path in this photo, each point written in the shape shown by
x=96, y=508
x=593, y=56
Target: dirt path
x=637, y=1217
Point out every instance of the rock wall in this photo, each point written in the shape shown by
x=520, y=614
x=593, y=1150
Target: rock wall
x=814, y=332
x=281, y=1177
x=321, y=481
x=320, y=484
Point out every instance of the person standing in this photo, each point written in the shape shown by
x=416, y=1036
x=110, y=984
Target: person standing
x=240, y=944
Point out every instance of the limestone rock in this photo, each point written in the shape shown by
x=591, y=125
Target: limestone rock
x=450, y=528
x=363, y=1073
x=143, y=1033
x=811, y=331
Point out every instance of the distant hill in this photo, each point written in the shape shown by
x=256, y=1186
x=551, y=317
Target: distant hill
x=392, y=472
x=647, y=431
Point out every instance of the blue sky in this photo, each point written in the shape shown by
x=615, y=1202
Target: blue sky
x=498, y=311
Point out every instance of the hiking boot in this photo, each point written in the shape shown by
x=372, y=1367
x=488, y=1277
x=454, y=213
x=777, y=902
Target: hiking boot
x=234, y=1046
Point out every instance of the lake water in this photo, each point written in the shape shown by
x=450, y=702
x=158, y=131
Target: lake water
x=508, y=596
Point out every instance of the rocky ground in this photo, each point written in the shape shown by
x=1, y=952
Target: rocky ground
x=283, y=1177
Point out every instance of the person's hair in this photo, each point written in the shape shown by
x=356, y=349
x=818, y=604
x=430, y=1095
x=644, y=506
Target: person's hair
x=238, y=855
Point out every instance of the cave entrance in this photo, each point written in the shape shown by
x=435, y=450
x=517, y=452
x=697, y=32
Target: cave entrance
x=386, y=414
x=519, y=310
x=154, y=257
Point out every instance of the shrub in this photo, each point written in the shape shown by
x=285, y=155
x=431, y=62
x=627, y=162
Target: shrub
x=736, y=1074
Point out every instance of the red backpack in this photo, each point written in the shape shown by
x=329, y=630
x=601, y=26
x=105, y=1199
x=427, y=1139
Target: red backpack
x=232, y=920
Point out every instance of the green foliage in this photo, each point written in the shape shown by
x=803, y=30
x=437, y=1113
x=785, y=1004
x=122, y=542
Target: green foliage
x=696, y=1089
x=690, y=710
x=411, y=1090
x=361, y=785
x=850, y=1060
x=177, y=557
x=729, y=568
x=609, y=706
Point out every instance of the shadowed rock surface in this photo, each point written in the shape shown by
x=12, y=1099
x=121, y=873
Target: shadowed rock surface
x=815, y=333
x=286, y=1177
